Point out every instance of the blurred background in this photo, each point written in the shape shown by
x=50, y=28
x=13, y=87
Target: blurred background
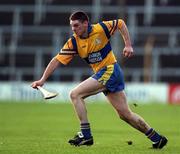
x=33, y=31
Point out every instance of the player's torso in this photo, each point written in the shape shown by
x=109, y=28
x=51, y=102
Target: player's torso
x=93, y=43
x=89, y=48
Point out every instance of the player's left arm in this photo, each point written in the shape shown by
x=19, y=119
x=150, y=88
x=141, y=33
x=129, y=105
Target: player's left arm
x=119, y=24
x=128, y=50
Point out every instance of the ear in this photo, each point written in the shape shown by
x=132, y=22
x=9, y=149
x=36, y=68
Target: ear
x=85, y=23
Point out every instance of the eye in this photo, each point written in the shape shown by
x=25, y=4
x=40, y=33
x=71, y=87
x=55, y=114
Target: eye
x=75, y=25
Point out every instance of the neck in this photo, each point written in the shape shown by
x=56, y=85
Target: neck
x=84, y=35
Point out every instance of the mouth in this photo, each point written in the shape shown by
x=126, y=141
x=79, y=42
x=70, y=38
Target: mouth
x=77, y=33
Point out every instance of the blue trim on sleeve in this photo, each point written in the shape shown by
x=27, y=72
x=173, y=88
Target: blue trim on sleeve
x=112, y=27
x=116, y=25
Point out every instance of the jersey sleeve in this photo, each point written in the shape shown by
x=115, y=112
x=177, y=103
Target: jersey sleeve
x=113, y=25
x=67, y=53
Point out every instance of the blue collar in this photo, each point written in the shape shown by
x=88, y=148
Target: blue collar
x=89, y=31
x=89, y=28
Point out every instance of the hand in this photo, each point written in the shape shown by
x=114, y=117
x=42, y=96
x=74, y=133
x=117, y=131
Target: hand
x=128, y=51
x=37, y=83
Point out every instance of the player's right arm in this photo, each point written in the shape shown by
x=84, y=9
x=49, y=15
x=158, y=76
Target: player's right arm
x=53, y=64
x=64, y=57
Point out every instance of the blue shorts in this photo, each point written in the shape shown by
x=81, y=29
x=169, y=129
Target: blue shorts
x=112, y=77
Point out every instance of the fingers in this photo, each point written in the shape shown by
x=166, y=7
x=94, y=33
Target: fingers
x=128, y=54
x=36, y=83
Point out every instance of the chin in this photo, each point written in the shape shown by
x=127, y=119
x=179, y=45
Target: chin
x=77, y=34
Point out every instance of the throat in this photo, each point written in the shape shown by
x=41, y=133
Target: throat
x=84, y=36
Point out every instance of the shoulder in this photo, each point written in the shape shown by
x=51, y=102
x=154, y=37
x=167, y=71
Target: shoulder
x=70, y=43
x=96, y=27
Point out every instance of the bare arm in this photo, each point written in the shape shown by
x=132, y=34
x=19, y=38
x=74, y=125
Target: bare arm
x=125, y=34
x=53, y=64
x=128, y=50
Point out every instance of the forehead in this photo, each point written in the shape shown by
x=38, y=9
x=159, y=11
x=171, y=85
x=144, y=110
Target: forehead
x=74, y=22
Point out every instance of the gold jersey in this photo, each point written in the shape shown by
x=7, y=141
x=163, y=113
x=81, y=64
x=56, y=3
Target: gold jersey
x=96, y=49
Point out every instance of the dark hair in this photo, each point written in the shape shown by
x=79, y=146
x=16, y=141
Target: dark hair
x=79, y=15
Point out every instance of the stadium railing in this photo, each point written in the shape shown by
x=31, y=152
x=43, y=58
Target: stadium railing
x=29, y=39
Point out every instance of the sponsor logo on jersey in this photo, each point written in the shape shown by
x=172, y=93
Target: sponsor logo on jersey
x=97, y=41
x=95, y=57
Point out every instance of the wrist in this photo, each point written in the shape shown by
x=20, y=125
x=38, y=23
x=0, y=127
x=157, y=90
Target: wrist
x=42, y=80
x=128, y=44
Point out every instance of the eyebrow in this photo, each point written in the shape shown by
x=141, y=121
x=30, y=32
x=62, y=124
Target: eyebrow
x=76, y=24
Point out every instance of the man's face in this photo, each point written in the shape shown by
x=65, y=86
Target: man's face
x=78, y=27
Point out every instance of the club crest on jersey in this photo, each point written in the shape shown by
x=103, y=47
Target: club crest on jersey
x=97, y=41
